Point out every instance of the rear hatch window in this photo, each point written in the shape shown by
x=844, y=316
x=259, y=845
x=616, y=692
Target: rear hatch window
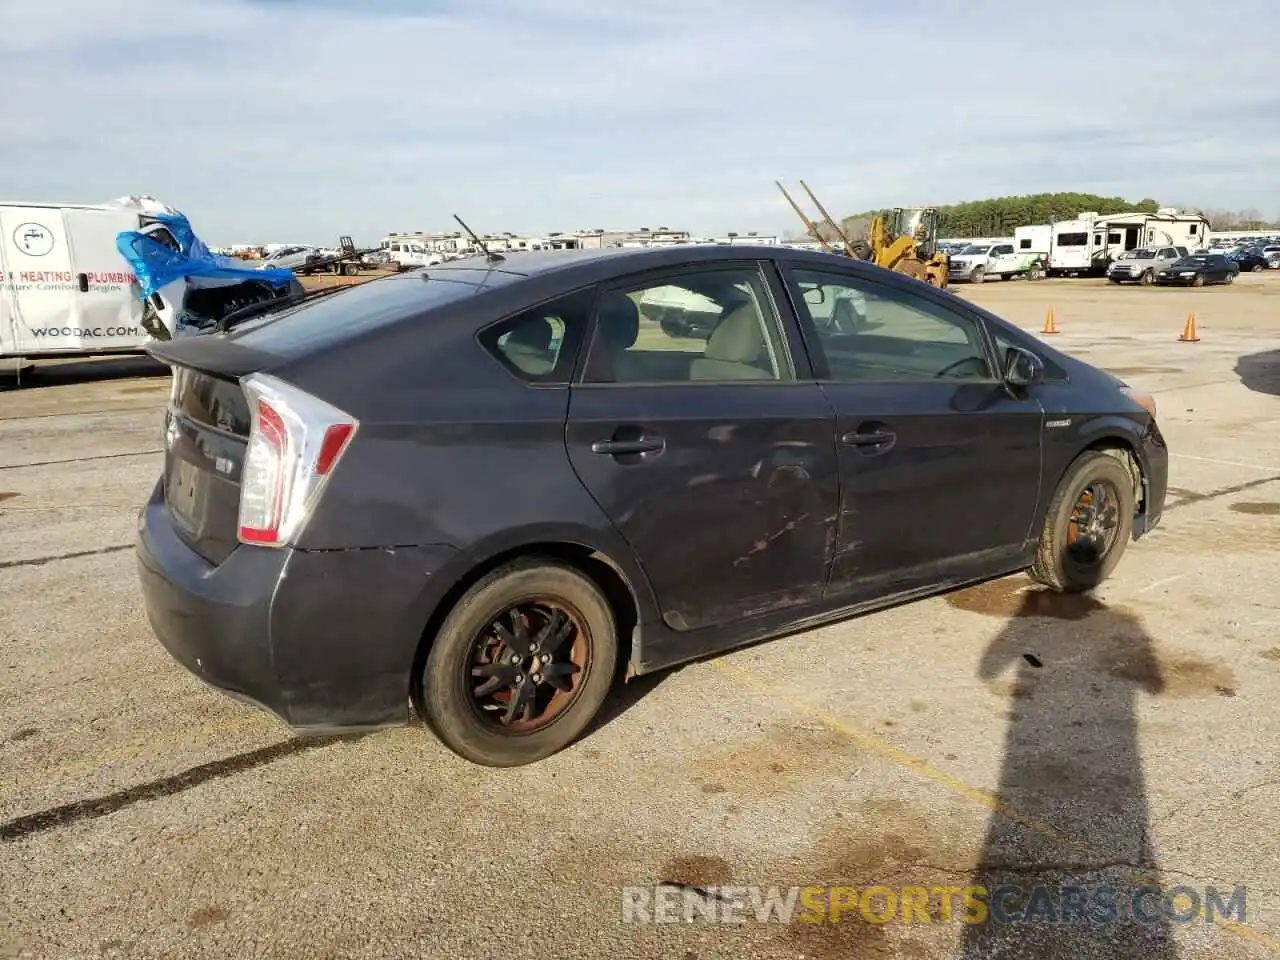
x=360, y=310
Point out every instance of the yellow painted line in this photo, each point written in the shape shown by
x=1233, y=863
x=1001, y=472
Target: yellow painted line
x=883, y=748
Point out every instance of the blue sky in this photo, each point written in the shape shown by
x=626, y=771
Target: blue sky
x=304, y=119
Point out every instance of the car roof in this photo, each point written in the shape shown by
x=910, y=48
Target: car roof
x=315, y=327
x=610, y=260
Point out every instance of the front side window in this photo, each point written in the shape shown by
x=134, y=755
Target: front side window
x=708, y=325
x=873, y=332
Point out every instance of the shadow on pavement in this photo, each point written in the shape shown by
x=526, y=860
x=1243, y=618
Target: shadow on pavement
x=15, y=375
x=94, y=807
x=1260, y=372
x=1065, y=867
x=624, y=696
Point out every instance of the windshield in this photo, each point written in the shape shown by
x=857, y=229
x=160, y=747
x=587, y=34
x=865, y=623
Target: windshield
x=1192, y=262
x=1138, y=255
x=976, y=248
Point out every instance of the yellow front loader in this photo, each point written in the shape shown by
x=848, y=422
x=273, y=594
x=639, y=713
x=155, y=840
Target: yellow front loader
x=905, y=239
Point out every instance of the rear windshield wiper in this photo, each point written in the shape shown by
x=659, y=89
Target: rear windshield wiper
x=227, y=321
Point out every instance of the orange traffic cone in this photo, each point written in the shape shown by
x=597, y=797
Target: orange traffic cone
x=1189, y=331
x=1049, y=325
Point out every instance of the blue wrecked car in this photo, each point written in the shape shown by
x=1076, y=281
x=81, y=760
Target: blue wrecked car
x=186, y=289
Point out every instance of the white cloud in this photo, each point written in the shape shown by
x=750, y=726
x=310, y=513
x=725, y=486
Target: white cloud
x=316, y=118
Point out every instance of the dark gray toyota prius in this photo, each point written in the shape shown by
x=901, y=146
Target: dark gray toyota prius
x=493, y=487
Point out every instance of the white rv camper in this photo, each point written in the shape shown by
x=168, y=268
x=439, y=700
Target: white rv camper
x=1073, y=246
x=1089, y=243
x=1033, y=239
x=1168, y=226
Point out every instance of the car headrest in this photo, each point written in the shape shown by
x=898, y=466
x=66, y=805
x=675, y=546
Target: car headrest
x=619, y=320
x=737, y=338
x=535, y=334
x=845, y=316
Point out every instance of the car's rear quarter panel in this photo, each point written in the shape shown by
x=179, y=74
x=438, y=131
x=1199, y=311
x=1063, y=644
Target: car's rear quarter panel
x=454, y=455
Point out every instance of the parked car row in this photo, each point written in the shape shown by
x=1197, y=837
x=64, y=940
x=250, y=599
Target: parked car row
x=1253, y=255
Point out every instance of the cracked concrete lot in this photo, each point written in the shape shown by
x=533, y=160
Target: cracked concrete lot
x=994, y=736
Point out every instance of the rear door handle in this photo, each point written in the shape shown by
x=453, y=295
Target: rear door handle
x=871, y=438
x=867, y=439
x=617, y=448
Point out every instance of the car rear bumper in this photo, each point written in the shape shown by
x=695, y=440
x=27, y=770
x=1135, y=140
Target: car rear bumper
x=323, y=639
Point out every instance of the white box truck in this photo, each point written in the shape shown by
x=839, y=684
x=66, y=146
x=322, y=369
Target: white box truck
x=66, y=289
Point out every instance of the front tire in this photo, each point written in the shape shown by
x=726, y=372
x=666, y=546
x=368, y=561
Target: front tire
x=1087, y=526
x=1148, y=278
x=977, y=276
x=521, y=665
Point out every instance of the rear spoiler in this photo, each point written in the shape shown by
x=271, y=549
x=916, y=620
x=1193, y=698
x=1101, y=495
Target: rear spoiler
x=213, y=355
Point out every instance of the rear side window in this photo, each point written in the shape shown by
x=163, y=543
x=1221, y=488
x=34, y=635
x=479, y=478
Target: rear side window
x=540, y=345
x=706, y=324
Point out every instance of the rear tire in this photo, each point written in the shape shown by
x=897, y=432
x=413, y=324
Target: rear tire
x=469, y=724
x=1067, y=560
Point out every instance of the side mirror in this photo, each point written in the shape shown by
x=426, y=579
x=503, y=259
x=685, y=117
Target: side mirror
x=815, y=296
x=1022, y=368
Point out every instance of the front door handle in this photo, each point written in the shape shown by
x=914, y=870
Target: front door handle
x=618, y=448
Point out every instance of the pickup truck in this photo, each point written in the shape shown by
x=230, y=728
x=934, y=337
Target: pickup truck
x=978, y=261
x=1142, y=265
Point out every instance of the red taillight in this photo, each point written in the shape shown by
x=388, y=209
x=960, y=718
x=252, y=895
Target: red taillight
x=331, y=447
x=263, y=478
x=294, y=444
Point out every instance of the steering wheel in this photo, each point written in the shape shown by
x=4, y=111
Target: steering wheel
x=959, y=363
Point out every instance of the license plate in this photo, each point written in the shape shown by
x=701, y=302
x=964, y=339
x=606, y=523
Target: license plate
x=182, y=489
